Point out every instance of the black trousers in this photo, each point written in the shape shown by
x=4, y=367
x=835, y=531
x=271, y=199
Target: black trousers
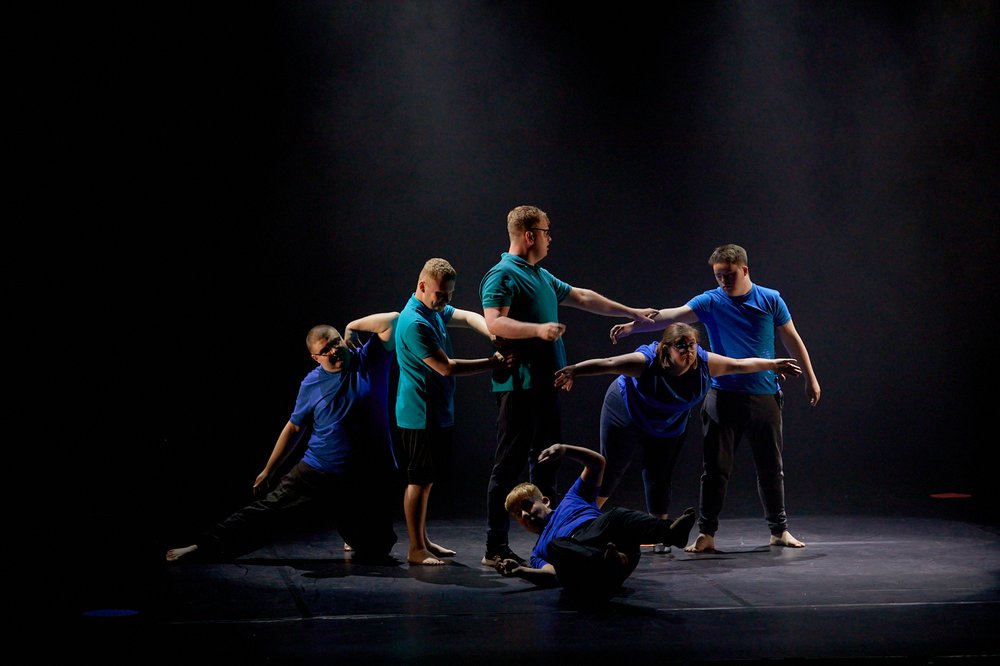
x=306, y=495
x=579, y=559
x=527, y=423
x=728, y=418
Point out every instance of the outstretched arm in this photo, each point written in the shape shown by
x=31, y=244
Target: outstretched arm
x=590, y=301
x=456, y=367
x=544, y=577
x=657, y=322
x=723, y=365
x=627, y=364
x=380, y=324
x=284, y=445
x=794, y=345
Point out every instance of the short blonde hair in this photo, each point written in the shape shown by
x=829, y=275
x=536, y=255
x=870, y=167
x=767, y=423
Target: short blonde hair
x=439, y=269
x=523, y=218
x=521, y=492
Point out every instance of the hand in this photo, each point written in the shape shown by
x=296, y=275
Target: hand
x=501, y=360
x=619, y=331
x=505, y=567
x=812, y=392
x=551, y=331
x=260, y=483
x=787, y=367
x=564, y=377
x=644, y=314
x=552, y=453
x=352, y=339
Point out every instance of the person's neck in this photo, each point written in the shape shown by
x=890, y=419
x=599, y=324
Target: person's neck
x=523, y=253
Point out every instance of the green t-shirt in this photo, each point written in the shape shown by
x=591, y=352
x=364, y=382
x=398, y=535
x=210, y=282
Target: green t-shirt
x=533, y=295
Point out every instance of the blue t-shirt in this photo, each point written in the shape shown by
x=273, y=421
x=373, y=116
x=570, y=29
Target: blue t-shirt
x=347, y=409
x=743, y=327
x=575, y=510
x=533, y=295
x=424, y=398
x=659, y=402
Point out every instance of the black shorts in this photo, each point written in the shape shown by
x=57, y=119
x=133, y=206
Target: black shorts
x=426, y=454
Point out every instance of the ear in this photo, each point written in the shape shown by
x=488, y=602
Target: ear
x=545, y=500
x=422, y=286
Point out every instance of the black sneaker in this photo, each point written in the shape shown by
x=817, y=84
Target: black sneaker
x=503, y=552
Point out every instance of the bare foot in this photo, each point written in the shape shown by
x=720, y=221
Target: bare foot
x=703, y=544
x=422, y=557
x=786, y=539
x=614, y=556
x=175, y=554
x=347, y=547
x=440, y=551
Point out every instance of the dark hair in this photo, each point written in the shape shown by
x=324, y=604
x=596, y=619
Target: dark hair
x=673, y=333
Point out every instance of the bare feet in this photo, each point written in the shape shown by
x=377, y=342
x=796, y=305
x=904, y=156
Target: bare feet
x=175, y=554
x=680, y=529
x=423, y=557
x=786, y=539
x=703, y=544
x=614, y=556
x=440, y=551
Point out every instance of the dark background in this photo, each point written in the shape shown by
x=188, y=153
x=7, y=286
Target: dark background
x=242, y=172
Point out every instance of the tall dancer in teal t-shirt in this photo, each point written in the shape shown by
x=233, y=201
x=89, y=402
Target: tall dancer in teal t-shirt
x=425, y=396
x=741, y=318
x=521, y=303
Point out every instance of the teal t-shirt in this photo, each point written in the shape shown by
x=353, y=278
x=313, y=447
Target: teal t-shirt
x=424, y=399
x=533, y=295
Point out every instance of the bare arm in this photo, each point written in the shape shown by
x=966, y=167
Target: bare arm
x=592, y=461
x=627, y=364
x=658, y=322
x=473, y=320
x=380, y=324
x=284, y=444
x=590, y=301
x=723, y=365
x=544, y=577
x=456, y=367
x=794, y=345
x=502, y=326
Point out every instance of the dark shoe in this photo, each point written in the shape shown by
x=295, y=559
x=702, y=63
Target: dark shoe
x=680, y=529
x=503, y=552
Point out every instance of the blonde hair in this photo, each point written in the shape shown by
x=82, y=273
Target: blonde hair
x=438, y=269
x=523, y=218
x=521, y=492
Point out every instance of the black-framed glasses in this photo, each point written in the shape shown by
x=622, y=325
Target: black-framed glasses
x=548, y=234
x=329, y=349
x=684, y=345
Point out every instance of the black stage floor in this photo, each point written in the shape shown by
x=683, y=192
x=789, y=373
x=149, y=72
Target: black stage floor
x=876, y=588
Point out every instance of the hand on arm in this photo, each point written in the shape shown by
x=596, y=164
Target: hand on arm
x=657, y=322
x=591, y=301
x=282, y=446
